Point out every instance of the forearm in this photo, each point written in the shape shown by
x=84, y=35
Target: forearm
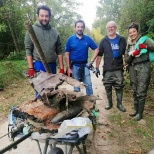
x=61, y=63
x=98, y=61
x=30, y=61
x=67, y=60
x=95, y=55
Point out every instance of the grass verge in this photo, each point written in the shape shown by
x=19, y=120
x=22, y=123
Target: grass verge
x=132, y=136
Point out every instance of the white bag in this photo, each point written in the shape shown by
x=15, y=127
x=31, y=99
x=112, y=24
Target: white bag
x=83, y=125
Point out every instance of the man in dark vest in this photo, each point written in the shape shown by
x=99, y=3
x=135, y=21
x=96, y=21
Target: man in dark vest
x=112, y=48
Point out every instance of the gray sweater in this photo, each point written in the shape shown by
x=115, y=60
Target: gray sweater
x=49, y=41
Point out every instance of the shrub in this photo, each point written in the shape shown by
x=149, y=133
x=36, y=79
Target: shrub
x=16, y=55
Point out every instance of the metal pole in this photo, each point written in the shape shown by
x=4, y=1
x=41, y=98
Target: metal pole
x=14, y=143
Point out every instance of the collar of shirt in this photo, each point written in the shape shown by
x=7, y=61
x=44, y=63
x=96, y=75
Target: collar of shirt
x=78, y=37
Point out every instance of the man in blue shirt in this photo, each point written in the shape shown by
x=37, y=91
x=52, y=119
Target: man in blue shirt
x=76, y=56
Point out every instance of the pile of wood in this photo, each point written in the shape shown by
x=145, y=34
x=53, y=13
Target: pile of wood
x=56, y=103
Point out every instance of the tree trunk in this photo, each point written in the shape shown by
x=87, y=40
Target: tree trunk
x=35, y=6
x=12, y=32
x=13, y=36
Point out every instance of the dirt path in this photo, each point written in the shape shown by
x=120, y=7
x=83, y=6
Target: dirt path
x=101, y=144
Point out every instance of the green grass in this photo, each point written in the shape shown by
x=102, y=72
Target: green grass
x=130, y=134
x=16, y=87
x=133, y=136
x=116, y=118
x=11, y=71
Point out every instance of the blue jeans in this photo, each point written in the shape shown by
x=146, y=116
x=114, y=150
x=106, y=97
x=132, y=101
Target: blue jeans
x=82, y=74
x=38, y=66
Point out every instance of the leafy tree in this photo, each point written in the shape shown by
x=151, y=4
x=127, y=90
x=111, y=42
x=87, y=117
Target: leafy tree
x=96, y=34
x=13, y=14
x=107, y=10
x=11, y=17
x=123, y=12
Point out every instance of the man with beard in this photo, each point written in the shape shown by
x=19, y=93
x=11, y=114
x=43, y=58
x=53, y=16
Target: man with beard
x=76, y=55
x=49, y=41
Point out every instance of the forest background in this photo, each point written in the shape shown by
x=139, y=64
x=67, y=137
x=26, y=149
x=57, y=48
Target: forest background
x=13, y=14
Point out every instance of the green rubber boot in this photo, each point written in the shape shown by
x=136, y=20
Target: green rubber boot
x=136, y=108
x=109, y=97
x=139, y=116
x=119, y=94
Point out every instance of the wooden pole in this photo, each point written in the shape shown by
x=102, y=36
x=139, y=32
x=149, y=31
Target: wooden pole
x=37, y=45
